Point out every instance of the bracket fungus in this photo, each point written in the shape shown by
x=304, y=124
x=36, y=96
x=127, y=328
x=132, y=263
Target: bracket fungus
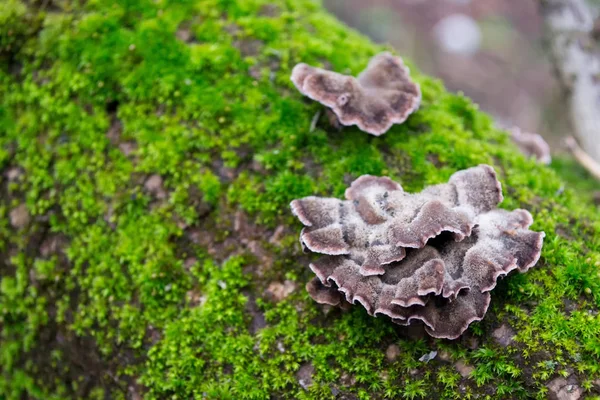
x=459, y=243
x=532, y=145
x=378, y=221
x=382, y=95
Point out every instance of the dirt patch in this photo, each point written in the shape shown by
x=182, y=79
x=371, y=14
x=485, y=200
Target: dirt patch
x=392, y=352
x=564, y=232
x=154, y=186
x=19, y=217
x=435, y=160
x=278, y=291
x=564, y=389
x=464, y=369
x=249, y=47
x=114, y=132
x=304, y=375
x=258, y=320
x=269, y=10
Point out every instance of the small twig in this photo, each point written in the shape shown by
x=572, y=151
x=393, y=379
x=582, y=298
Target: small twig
x=315, y=119
x=583, y=158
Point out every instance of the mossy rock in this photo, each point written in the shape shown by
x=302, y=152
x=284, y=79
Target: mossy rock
x=149, y=151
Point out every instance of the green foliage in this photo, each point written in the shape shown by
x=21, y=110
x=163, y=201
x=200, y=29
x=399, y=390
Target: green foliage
x=18, y=25
x=115, y=287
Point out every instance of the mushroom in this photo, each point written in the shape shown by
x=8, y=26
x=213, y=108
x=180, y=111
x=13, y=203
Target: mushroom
x=378, y=221
x=445, y=282
x=382, y=95
x=532, y=145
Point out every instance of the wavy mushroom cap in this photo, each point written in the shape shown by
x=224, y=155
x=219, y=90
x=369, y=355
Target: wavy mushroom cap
x=378, y=221
x=382, y=95
x=460, y=245
x=532, y=145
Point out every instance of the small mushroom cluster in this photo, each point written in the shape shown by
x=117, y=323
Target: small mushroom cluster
x=432, y=256
x=531, y=145
x=382, y=95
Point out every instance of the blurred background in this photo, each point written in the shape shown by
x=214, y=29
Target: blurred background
x=492, y=50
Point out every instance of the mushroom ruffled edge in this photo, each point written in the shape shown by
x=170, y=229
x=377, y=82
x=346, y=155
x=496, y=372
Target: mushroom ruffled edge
x=382, y=95
x=445, y=284
x=531, y=145
x=379, y=213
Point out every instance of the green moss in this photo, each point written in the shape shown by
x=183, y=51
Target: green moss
x=164, y=296
x=575, y=176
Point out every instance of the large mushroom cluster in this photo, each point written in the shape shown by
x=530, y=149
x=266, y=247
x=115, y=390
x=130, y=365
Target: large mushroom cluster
x=432, y=256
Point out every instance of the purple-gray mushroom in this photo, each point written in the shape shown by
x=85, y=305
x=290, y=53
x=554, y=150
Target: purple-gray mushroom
x=445, y=277
x=382, y=95
x=532, y=145
x=378, y=221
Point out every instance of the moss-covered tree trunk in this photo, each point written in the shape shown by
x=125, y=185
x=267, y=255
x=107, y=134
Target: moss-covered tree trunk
x=149, y=151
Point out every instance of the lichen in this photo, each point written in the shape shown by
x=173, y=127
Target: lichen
x=161, y=297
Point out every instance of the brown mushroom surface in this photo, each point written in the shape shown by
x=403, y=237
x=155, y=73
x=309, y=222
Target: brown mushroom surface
x=378, y=221
x=532, y=145
x=382, y=95
x=445, y=281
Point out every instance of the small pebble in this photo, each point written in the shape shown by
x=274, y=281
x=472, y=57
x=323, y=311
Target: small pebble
x=392, y=352
x=465, y=370
x=19, y=217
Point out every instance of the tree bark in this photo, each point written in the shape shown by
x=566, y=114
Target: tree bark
x=569, y=30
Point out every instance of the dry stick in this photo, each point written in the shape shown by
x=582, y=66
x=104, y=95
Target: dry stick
x=570, y=27
x=583, y=158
